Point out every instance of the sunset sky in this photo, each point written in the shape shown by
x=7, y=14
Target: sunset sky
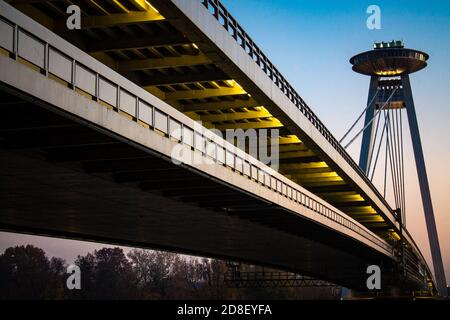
x=311, y=42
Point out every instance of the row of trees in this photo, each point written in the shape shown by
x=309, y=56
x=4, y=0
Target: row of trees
x=27, y=273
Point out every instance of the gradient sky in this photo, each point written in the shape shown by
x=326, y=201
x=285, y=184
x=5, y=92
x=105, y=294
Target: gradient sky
x=311, y=42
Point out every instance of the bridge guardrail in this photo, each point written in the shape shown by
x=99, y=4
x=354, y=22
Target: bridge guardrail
x=58, y=59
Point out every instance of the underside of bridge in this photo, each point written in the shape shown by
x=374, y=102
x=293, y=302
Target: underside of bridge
x=153, y=44
x=142, y=199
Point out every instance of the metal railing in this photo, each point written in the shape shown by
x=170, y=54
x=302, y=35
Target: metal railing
x=218, y=10
x=57, y=59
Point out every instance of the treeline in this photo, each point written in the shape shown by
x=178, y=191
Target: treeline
x=27, y=273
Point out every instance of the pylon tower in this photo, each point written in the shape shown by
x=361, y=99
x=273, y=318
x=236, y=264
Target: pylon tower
x=389, y=65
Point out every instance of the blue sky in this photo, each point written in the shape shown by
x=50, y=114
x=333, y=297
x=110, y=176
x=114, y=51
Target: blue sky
x=311, y=42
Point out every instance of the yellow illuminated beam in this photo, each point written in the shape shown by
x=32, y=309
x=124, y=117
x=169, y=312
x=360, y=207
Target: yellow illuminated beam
x=289, y=139
x=292, y=147
x=370, y=219
x=214, y=84
x=166, y=62
x=361, y=210
x=318, y=175
x=120, y=19
x=235, y=116
x=338, y=193
x=345, y=198
x=310, y=165
x=219, y=105
x=315, y=183
x=202, y=94
x=357, y=215
x=296, y=154
x=305, y=170
x=319, y=180
x=142, y=5
x=396, y=236
x=151, y=6
x=263, y=124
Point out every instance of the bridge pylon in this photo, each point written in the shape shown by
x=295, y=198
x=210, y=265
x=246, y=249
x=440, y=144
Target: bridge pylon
x=389, y=65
